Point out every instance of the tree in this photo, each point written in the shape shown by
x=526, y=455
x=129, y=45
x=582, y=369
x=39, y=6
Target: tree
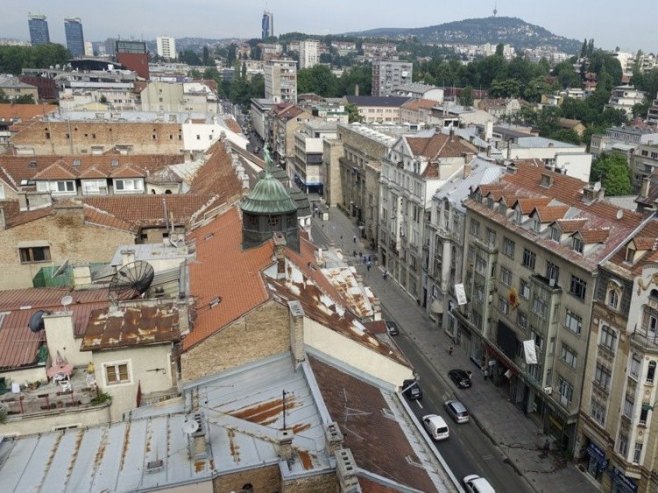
x=613, y=172
x=317, y=79
x=230, y=57
x=466, y=97
x=583, y=50
x=352, y=113
x=206, y=56
x=24, y=99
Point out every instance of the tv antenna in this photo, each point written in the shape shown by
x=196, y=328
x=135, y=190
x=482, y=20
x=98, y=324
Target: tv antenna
x=131, y=281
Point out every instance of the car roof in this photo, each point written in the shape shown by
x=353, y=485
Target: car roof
x=480, y=483
x=457, y=405
x=435, y=419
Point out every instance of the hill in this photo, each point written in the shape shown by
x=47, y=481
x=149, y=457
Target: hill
x=494, y=30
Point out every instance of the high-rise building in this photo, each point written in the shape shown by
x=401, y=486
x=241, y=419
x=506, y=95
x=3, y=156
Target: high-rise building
x=268, y=24
x=281, y=80
x=308, y=53
x=75, y=41
x=134, y=56
x=89, y=48
x=388, y=74
x=38, y=24
x=166, y=47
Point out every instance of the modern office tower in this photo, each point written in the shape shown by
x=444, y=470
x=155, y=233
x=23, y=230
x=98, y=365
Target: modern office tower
x=268, y=24
x=75, y=41
x=281, y=80
x=166, y=47
x=308, y=53
x=38, y=29
x=134, y=56
x=388, y=74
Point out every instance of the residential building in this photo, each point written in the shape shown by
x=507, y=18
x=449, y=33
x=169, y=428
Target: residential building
x=444, y=246
x=194, y=97
x=13, y=88
x=624, y=98
x=643, y=163
x=617, y=432
x=166, y=47
x=89, y=49
x=259, y=111
x=281, y=80
x=534, y=240
x=308, y=53
x=305, y=165
x=413, y=170
x=390, y=74
x=418, y=90
x=359, y=151
x=284, y=120
x=134, y=56
x=652, y=114
x=267, y=25
x=373, y=51
x=570, y=124
x=38, y=25
x=454, y=115
x=419, y=111
x=75, y=41
x=375, y=109
x=501, y=107
x=623, y=139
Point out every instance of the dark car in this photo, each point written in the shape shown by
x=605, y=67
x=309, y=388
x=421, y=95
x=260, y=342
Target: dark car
x=411, y=389
x=392, y=328
x=461, y=378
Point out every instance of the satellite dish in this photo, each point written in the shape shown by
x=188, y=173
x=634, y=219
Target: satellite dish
x=131, y=280
x=66, y=300
x=191, y=426
x=597, y=186
x=36, y=323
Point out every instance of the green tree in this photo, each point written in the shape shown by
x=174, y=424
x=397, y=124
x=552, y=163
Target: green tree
x=3, y=97
x=566, y=135
x=613, y=172
x=206, y=56
x=24, y=99
x=318, y=80
x=583, y=50
x=230, y=56
x=353, y=113
x=466, y=97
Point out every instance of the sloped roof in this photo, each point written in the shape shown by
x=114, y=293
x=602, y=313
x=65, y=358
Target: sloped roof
x=24, y=112
x=223, y=271
x=417, y=104
x=439, y=146
x=216, y=176
x=56, y=171
x=382, y=101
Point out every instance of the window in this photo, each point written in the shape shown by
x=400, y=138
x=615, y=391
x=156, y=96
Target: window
x=635, y=366
x=128, y=185
x=637, y=453
x=508, y=248
x=505, y=276
x=524, y=289
x=552, y=273
x=650, y=321
x=565, y=390
x=613, y=298
x=651, y=372
x=622, y=443
x=577, y=244
x=578, y=287
x=540, y=303
x=62, y=187
x=116, y=373
x=91, y=187
x=529, y=259
x=629, y=403
x=555, y=234
x=30, y=255
x=503, y=306
x=608, y=338
x=569, y=356
x=539, y=340
x=602, y=377
x=644, y=413
x=491, y=238
x=597, y=411
x=573, y=322
x=475, y=228
x=522, y=319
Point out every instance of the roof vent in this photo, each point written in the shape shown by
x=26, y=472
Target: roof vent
x=155, y=465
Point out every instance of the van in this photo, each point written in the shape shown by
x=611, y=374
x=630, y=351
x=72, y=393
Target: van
x=457, y=410
x=436, y=426
x=477, y=484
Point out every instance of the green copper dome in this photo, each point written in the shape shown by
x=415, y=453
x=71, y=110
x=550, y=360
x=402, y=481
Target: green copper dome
x=269, y=196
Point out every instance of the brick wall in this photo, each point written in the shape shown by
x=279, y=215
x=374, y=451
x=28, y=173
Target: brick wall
x=319, y=483
x=262, y=332
x=266, y=479
x=67, y=238
x=69, y=138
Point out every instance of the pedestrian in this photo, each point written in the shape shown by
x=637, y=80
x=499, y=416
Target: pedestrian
x=450, y=350
x=546, y=448
x=485, y=373
x=368, y=265
x=354, y=238
x=385, y=275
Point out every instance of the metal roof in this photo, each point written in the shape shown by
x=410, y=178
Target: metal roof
x=269, y=196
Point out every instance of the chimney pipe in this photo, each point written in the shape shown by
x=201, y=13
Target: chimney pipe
x=3, y=223
x=646, y=185
x=279, y=248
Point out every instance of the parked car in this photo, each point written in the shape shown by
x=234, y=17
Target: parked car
x=461, y=378
x=411, y=389
x=457, y=410
x=436, y=427
x=477, y=484
x=392, y=328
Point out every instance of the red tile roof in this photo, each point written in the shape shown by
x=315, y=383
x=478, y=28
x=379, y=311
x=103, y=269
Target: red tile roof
x=24, y=112
x=416, y=104
x=223, y=271
x=217, y=176
x=550, y=214
x=439, y=146
x=56, y=171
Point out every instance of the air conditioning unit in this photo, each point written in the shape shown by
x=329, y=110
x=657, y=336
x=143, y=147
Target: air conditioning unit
x=548, y=390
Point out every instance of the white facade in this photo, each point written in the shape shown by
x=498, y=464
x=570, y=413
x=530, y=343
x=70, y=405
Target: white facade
x=281, y=80
x=166, y=47
x=308, y=54
x=624, y=98
x=571, y=159
x=389, y=74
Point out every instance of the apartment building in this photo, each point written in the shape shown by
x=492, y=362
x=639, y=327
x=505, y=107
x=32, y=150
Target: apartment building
x=652, y=114
x=283, y=122
x=281, y=80
x=305, y=164
x=624, y=98
x=308, y=53
x=534, y=240
x=617, y=434
x=166, y=47
x=389, y=74
x=412, y=171
x=75, y=41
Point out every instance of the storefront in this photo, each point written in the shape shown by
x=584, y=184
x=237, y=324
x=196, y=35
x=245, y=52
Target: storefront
x=621, y=483
x=595, y=460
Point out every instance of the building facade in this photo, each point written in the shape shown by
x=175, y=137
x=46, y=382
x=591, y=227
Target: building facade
x=389, y=74
x=267, y=25
x=305, y=165
x=281, y=80
x=75, y=41
x=166, y=47
x=134, y=56
x=308, y=53
x=38, y=25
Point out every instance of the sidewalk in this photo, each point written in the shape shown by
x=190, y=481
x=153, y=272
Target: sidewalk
x=518, y=438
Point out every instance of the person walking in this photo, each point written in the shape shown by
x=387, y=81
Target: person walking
x=354, y=238
x=385, y=276
x=450, y=350
x=546, y=449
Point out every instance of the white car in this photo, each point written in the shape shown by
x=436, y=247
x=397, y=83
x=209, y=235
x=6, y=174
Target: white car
x=436, y=426
x=477, y=484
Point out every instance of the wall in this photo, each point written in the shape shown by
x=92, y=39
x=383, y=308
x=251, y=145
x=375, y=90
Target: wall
x=60, y=339
x=262, y=332
x=51, y=419
x=26, y=375
x=162, y=96
x=352, y=353
x=265, y=479
x=68, y=239
x=332, y=152
x=141, y=361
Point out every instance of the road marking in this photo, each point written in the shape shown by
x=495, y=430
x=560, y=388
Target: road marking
x=419, y=404
x=487, y=457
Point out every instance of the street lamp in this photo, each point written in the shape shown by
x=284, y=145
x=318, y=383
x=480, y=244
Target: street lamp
x=284, y=407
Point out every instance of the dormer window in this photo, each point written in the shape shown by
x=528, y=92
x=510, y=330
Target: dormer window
x=630, y=253
x=577, y=244
x=490, y=203
x=536, y=224
x=518, y=216
x=555, y=234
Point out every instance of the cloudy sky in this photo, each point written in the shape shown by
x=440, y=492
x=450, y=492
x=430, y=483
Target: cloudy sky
x=146, y=19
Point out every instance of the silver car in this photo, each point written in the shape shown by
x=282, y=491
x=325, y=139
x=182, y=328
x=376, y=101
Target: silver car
x=457, y=410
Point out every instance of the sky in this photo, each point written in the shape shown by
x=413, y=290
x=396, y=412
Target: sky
x=147, y=19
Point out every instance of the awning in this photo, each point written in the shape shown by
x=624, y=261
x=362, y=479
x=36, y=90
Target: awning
x=436, y=307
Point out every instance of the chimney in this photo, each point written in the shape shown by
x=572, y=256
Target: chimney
x=644, y=189
x=183, y=317
x=296, y=331
x=334, y=437
x=70, y=211
x=346, y=471
x=489, y=150
x=467, y=169
x=279, y=248
x=3, y=223
x=452, y=134
x=284, y=439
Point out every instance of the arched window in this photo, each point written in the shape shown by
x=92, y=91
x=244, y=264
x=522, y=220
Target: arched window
x=613, y=298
